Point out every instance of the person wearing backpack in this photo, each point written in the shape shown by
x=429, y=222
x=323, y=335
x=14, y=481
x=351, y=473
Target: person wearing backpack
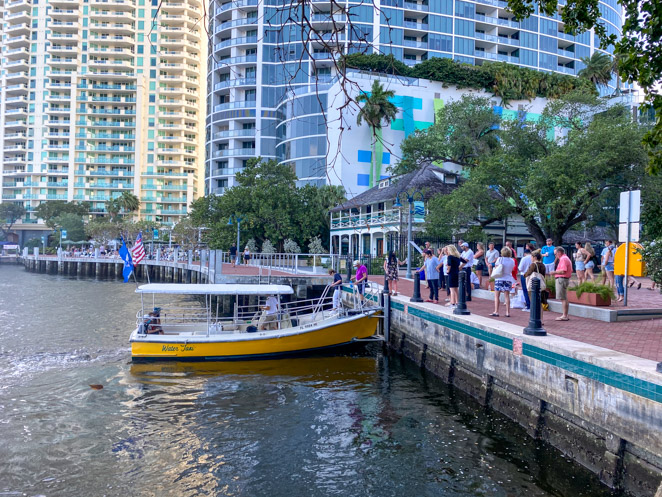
x=607, y=260
x=537, y=270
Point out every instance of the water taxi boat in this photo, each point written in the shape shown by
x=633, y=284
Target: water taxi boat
x=264, y=327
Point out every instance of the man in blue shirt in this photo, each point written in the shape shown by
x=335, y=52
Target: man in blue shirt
x=548, y=256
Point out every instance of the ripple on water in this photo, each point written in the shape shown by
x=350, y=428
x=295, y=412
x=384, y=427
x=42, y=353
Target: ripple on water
x=322, y=426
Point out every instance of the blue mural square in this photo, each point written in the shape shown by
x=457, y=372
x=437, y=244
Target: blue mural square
x=365, y=156
x=386, y=158
x=363, y=179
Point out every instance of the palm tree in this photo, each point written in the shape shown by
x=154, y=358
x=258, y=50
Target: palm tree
x=599, y=68
x=128, y=202
x=377, y=109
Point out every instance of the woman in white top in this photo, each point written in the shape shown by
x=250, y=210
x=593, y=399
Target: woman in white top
x=491, y=257
x=504, y=283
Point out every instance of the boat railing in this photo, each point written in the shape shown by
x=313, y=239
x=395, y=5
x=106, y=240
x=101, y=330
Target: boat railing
x=174, y=318
x=289, y=310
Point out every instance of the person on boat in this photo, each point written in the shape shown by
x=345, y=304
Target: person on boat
x=360, y=278
x=271, y=317
x=153, y=322
x=337, y=289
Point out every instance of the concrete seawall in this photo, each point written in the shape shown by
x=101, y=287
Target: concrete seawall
x=600, y=407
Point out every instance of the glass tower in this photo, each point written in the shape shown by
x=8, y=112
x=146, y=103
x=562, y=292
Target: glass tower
x=268, y=70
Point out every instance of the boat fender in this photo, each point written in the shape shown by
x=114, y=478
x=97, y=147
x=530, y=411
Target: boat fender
x=251, y=329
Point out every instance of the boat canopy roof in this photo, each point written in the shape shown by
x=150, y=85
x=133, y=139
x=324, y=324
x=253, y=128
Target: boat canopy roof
x=215, y=289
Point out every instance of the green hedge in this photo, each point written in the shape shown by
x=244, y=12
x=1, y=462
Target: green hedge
x=508, y=81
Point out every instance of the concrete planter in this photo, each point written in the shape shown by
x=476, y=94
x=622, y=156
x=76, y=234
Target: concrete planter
x=588, y=299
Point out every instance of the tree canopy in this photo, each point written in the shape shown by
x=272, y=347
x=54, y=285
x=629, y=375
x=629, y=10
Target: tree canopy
x=462, y=132
x=50, y=210
x=554, y=181
x=270, y=206
x=639, y=50
x=10, y=212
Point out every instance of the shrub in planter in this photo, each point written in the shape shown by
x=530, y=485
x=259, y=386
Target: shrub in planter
x=589, y=293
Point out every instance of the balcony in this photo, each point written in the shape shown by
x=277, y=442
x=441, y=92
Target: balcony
x=235, y=83
x=233, y=152
x=416, y=6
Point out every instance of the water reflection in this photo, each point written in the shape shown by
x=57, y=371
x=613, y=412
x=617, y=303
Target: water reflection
x=319, y=426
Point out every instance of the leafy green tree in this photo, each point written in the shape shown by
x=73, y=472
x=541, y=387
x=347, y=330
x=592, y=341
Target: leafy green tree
x=553, y=183
x=464, y=130
x=103, y=230
x=377, y=109
x=10, y=212
x=638, y=50
x=270, y=205
x=186, y=234
x=73, y=224
x=51, y=209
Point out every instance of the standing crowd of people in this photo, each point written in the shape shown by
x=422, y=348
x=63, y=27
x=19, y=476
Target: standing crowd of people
x=501, y=272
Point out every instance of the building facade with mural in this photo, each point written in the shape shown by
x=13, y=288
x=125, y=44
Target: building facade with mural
x=264, y=56
x=371, y=222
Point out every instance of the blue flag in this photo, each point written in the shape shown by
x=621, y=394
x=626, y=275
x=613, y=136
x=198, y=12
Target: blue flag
x=128, y=263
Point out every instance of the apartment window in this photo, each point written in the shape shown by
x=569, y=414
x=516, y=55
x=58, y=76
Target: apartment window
x=141, y=25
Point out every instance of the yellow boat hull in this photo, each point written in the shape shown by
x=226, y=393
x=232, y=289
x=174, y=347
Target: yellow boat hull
x=258, y=345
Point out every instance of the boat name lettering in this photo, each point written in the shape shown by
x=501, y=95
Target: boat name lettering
x=308, y=325
x=175, y=348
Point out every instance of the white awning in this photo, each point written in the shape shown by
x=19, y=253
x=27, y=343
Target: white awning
x=215, y=289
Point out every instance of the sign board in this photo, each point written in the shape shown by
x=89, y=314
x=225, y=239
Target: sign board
x=630, y=203
x=64, y=233
x=623, y=232
x=636, y=266
x=156, y=234
x=420, y=250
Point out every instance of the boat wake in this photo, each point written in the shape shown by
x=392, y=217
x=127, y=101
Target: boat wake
x=28, y=366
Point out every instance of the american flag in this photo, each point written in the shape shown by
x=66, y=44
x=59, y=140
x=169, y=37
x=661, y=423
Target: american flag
x=138, y=251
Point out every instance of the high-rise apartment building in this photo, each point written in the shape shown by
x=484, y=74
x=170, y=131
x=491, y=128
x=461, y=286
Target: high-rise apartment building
x=99, y=97
x=268, y=72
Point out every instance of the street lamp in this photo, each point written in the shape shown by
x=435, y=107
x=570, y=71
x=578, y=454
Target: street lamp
x=238, y=219
x=410, y=196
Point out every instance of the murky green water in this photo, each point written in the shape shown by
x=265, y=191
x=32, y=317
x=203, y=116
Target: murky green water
x=351, y=425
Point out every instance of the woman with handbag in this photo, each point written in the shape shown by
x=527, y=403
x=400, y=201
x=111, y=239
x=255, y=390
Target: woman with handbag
x=537, y=270
x=503, y=280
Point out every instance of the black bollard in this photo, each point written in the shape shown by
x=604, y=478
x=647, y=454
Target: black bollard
x=386, y=288
x=467, y=282
x=535, y=314
x=417, y=288
x=461, y=307
x=349, y=269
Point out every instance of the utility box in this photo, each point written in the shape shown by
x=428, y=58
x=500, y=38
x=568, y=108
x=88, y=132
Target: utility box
x=636, y=265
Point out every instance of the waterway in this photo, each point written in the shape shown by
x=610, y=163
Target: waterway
x=360, y=424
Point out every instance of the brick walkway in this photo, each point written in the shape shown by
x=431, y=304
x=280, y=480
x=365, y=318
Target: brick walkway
x=638, y=338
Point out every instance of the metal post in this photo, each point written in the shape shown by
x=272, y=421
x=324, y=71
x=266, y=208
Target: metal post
x=387, y=318
x=411, y=203
x=627, y=252
x=238, y=239
x=349, y=269
x=417, y=288
x=461, y=308
x=535, y=315
x=467, y=282
x=386, y=289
